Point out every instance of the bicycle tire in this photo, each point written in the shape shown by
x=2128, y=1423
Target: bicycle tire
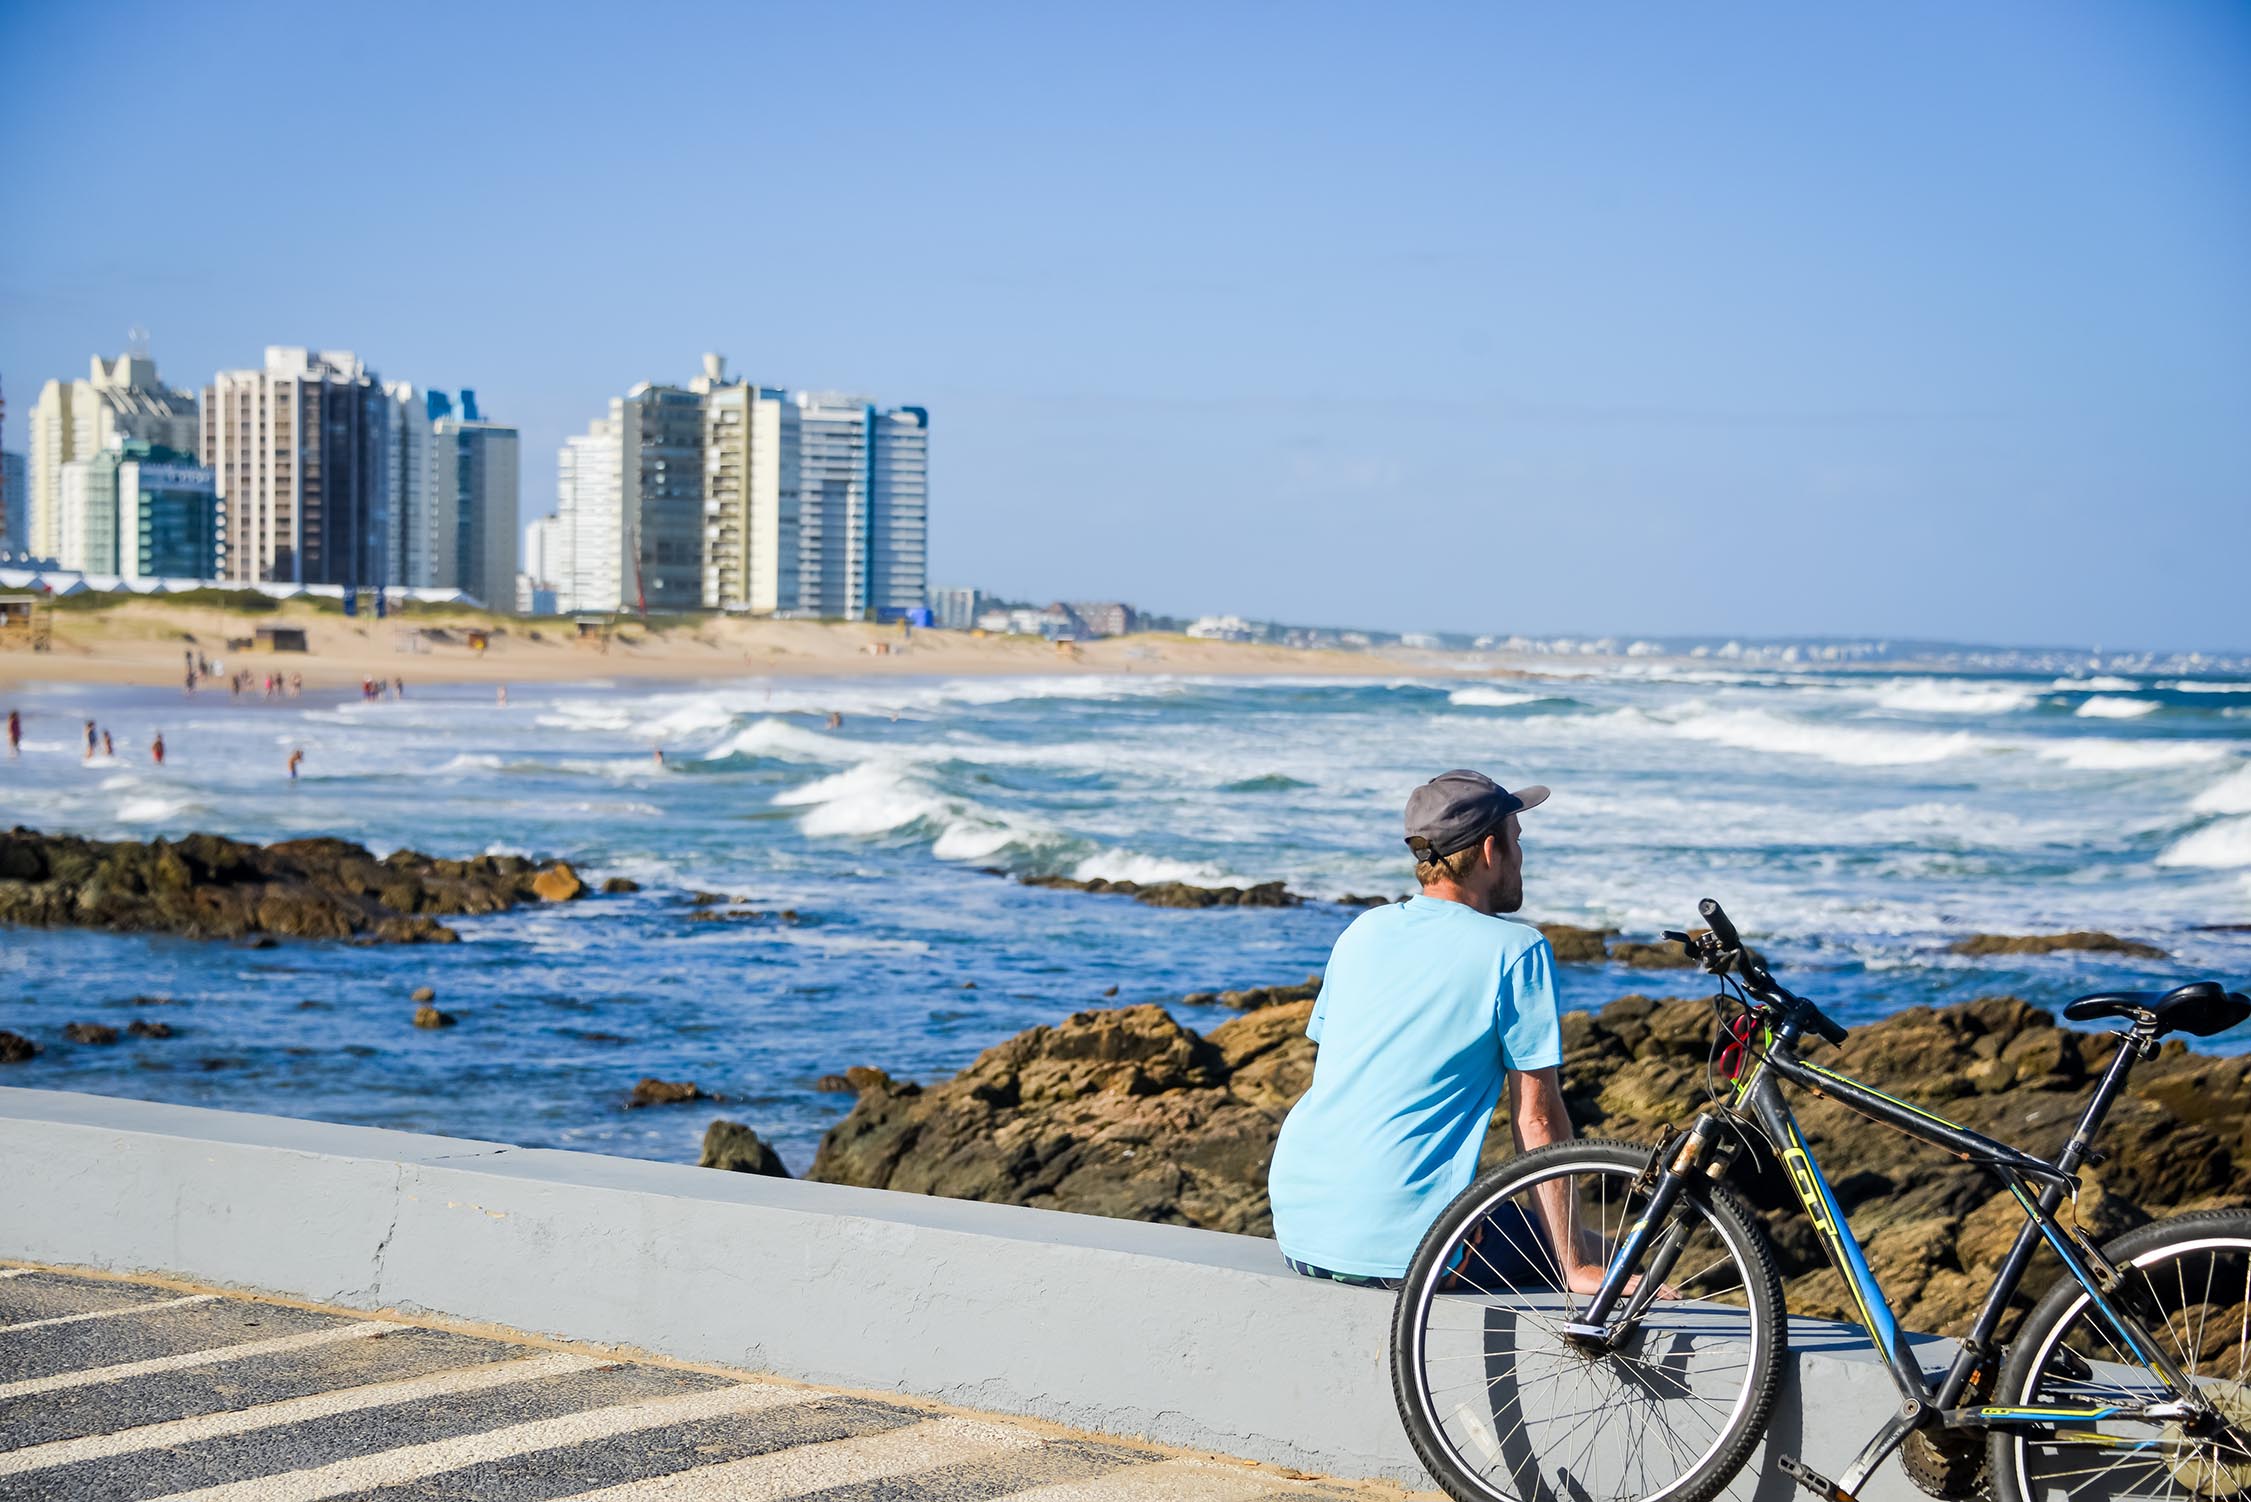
x=1763, y=1336
x=2024, y=1468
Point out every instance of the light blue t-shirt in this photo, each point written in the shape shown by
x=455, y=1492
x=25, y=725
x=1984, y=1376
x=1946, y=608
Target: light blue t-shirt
x=1425, y=1007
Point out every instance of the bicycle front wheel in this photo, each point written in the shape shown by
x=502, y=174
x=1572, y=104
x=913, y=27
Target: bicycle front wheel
x=2186, y=1282
x=1502, y=1407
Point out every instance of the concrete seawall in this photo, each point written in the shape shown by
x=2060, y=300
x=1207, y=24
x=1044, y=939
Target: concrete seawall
x=1184, y=1337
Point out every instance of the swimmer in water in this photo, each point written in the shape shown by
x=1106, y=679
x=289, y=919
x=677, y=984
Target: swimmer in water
x=156, y=749
x=89, y=740
x=107, y=748
x=296, y=755
x=15, y=732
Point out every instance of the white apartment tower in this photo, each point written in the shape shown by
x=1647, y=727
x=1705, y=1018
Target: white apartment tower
x=74, y=420
x=590, y=522
x=750, y=470
x=863, y=506
x=302, y=460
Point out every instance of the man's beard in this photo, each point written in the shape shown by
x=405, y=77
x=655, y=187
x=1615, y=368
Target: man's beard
x=1509, y=898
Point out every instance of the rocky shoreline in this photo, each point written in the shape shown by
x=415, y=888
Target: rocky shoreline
x=209, y=887
x=1125, y=1112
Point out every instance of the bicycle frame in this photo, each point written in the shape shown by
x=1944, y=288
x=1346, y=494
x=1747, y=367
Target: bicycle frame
x=1758, y=1098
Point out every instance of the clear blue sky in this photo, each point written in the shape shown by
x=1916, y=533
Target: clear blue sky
x=1926, y=319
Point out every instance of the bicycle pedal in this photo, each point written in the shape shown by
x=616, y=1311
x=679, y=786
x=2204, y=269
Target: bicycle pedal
x=1812, y=1480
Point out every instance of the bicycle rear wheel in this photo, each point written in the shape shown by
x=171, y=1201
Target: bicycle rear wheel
x=1503, y=1408
x=2187, y=1282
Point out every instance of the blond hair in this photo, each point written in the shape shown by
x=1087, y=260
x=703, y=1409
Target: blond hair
x=1449, y=867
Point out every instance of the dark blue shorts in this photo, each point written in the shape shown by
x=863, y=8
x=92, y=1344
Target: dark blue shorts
x=1511, y=1257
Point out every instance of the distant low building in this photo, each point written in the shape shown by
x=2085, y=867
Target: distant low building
x=1104, y=617
x=1222, y=628
x=956, y=609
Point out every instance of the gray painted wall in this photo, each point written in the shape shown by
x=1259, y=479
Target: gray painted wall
x=1185, y=1337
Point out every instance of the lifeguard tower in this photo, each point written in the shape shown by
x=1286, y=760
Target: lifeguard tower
x=25, y=625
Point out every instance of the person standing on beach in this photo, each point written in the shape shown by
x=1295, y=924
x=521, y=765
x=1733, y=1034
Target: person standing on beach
x=1429, y=1008
x=296, y=755
x=156, y=748
x=89, y=740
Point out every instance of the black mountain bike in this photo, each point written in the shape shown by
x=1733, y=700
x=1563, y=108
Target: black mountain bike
x=1655, y=1378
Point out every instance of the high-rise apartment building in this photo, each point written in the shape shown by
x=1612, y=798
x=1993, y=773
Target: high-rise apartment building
x=301, y=454
x=410, y=545
x=474, y=492
x=545, y=563
x=863, y=506
x=590, y=521
x=660, y=433
x=74, y=420
x=750, y=471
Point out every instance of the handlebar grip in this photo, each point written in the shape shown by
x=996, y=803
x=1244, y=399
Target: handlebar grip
x=1722, y=928
x=1819, y=1021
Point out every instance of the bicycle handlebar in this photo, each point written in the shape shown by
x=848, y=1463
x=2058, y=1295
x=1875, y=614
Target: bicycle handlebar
x=1754, y=972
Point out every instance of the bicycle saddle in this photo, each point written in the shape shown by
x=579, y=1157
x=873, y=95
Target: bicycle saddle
x=2201, y=1007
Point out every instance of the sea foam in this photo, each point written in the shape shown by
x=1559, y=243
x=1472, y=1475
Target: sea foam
x=1843, y=745
x=2105, y=707
x=1480, y=697
x=1953, y=696
x=2230, y=795
x=2220, y=846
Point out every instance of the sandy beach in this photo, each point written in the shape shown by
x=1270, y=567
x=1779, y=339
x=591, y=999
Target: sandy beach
x=142, y=642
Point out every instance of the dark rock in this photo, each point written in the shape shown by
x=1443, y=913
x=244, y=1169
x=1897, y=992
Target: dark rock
x=1574, y=945
x=15, y=1048
x=618, y=886
x=429, y=1016
x=833, y=1084
x=2086, y=939
x=422, y=993
x=1176, y=893
x=149, y=1001
x=707, y=899
x=206, y=886
x=1355, y=899
x=138, y=1028
x=1251, y=998
x=1109, y=990
x=732, y=1146
x=1663, y=955
x=90, y=1032
x=656, y=1092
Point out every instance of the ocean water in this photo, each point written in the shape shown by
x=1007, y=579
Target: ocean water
x=1852, y=821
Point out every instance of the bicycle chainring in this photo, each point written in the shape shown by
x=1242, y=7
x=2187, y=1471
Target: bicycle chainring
x=1948, y=1463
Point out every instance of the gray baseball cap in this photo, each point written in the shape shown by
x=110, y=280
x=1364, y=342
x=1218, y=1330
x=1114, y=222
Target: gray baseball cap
x=1456, y=809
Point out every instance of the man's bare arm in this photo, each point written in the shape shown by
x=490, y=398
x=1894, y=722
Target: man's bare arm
x=1539, y=1118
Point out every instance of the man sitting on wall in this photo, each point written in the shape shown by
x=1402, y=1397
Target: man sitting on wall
x=1427, y=1006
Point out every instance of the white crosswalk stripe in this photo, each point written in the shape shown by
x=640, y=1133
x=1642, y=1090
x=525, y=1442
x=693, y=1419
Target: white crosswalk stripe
x=94, y=1376
x=416, y=1462
x=463, y=1379
x=803, y=1469
x=72, y=1319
